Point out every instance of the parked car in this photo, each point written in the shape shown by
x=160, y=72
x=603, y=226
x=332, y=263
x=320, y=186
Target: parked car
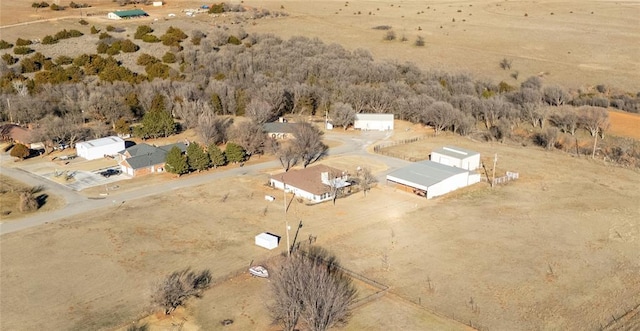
x=110, y=172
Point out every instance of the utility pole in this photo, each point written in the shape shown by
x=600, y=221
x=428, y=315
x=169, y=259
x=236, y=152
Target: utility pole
x=286, y=223
x=493, y=177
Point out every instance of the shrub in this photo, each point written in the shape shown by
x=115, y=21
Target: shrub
x=94, y=30
x=505, y=64
x=56, y=7
x=503, y=87
x=5, y=45
x=75, y=34
x=149, y=38
x=390, y=35
x=419, y=41
x=102, y=48
x=8, y=59
x=142, y=31
x=146, y=59
x=169, y=57
x=22, y=50
x=82, y=21
x=128, y=46
x=179, y=286
x=159, y=70
x=78, y=5
x=63, y=60
x=110, y=28
x=233, y=40
x=40, y=4
x=217, y=8
x=23, y=42
x=49, y=40
x=104, y=35
x=20, y=151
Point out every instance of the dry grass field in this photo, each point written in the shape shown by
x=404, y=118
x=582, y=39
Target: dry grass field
x=10, y=198
x=558, y=249
x=572, y=42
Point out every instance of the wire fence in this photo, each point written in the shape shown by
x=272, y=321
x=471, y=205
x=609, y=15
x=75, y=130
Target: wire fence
x=616, y=317
x=383, y=149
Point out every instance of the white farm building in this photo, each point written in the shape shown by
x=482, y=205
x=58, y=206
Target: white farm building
x=98, y=148
x=126, y=14
x=431, y=179
x=456, y=157
x=374, y=122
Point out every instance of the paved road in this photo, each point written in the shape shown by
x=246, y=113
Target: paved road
x=77, y=204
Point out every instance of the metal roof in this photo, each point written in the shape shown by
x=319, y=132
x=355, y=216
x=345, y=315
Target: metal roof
x=455, y=152
x=374, y=117
x=278, y=127
x=424, y=173
x=130, y=13
x=101, y=142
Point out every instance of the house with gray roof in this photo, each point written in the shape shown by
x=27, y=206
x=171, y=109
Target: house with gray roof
x=431, y=179
x=144, y=159
x=279, y=130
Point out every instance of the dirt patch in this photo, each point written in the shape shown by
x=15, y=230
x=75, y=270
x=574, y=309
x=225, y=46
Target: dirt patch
x=625, y=124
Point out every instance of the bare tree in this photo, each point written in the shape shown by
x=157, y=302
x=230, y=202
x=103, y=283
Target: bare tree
x=179, y=286
x=596, y=121
x=284, y=152
x=311, y=286
x=259, y=111
x=308, y=143
x=505, y=63
x=250, y=135
x=366, y=179
x=212, y=128
x=555, y=95
x=566, y=119
x=440, y=115
x=342, y=115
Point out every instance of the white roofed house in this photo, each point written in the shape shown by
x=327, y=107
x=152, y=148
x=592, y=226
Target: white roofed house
x=99, y=148
x=316, y=183
x=375, y=122
x=456, y=157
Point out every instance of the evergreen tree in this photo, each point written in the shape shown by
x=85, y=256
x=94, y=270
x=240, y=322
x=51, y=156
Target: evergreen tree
x=157, y=121
x=176, y=163
x=234, y=153
x=197, y=158
x=19, y=150
x=216, y=156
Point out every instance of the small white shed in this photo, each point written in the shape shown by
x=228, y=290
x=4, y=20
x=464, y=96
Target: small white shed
x=267, y=240
x=98, y=148
x=456, y=157
x=375, y=122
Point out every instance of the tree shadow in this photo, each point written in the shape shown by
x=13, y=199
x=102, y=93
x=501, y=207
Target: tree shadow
x=42, y=199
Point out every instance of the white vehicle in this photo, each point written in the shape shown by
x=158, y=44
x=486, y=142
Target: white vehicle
x=259, y=271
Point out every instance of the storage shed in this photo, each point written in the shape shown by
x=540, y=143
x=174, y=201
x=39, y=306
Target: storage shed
x=98, y=148
x=267, y=240
x=456, y=157
x=375, y=122
x=431, y=179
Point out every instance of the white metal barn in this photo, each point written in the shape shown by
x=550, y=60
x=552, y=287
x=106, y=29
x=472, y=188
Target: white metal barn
x=431, y=179
x=456, y=157
x=267, y=240
x=98, y=148
x=374, y=122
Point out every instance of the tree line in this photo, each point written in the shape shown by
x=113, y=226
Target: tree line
x=263, y=77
